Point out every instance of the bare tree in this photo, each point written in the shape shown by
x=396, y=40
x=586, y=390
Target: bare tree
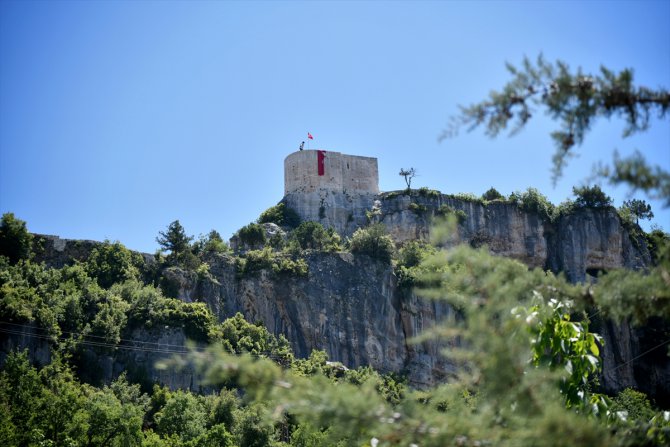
x=409, y=174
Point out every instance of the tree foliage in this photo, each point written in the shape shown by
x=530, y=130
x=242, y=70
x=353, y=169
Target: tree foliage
x=252, y=235
x=639, y=209
x=312, y=235
x=575, y=100
x=178, y=244
x=110, y=263
x=15, y=240
x=492, y=194
x=591, y=197
x=281, y=215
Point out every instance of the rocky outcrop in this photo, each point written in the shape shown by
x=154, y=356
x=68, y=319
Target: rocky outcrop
x=351, y=307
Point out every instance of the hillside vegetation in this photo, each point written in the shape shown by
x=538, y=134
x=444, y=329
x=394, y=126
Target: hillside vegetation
x=528, y=361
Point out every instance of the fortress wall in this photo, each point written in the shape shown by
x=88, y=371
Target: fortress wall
x=312, y=170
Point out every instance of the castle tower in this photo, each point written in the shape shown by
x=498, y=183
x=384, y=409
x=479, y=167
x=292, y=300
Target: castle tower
x=312, y=170
x=332, y=188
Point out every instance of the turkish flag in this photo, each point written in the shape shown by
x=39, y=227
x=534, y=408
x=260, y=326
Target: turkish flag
x=309, y=135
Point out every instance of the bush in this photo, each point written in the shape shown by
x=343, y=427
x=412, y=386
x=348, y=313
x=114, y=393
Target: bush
x=533, y=201
x=418, y=209
x=15, y=240
x=252, y=235
x=658, y=242
x=373, y=241
x=281, y=215
x=635, y=404
x=466, y=197
x=266, y=259
x=492, y=194
x=110, y=263
x=408, y=267
x=591, y=197
x=212, y=243
x=151, y=309
x=312, y=235
x=425, y=192
x=446, y=210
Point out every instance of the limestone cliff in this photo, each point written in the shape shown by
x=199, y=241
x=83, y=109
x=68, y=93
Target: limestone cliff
x=351, y=306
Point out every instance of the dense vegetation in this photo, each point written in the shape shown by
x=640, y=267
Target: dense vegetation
x=528, y=361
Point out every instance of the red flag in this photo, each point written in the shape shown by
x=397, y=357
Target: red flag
x=309, y=135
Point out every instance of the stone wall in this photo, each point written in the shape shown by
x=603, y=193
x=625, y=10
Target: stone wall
x=313, y=170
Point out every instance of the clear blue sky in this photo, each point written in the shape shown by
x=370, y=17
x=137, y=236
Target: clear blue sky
x=118, y=117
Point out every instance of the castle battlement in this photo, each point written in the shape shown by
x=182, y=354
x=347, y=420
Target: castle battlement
x=313, y=170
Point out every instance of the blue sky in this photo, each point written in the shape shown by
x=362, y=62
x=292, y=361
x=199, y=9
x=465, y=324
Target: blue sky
x=118, y=117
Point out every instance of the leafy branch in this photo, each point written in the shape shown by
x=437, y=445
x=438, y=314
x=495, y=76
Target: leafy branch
x=574, y=99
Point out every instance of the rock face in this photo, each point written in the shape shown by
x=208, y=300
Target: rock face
x=351, y=307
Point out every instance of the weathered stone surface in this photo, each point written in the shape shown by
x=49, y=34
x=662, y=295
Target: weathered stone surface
x=20, y=336
x=344, y=212
x=505, y=229
x=593, y=240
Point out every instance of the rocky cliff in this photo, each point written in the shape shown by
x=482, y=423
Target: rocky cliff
x=351, y=306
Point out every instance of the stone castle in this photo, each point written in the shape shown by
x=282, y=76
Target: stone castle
x=332, y=188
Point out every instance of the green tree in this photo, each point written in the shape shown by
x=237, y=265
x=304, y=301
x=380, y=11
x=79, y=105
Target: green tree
x=114, y=414
x=110, y=263
x=576, y=100
x=182, y=415
x=21, y=393
x=281, y=215
x=533, y=201
x=639, y=209
x=15, y=241
x=591, y=197
x=212, y=243
x=492, y=194
x=176, y=242
x=252, y=235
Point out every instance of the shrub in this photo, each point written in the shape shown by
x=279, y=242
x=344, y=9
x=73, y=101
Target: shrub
x=408, y=267
x=281, y=215
x=533, y=201
x=425, y=192
x=446, y=210
x=312, y=235
x=15, y=240
x=412, y=253
x=466, y=197
x=591, y=197
x=492, y=194
x=212, y=243
x=110, y=263
x=635, y=404
x=252, y=235
x=658, y=242
x=266, y=259
x=373, y=241
x=417, y=208
x=153, y=310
